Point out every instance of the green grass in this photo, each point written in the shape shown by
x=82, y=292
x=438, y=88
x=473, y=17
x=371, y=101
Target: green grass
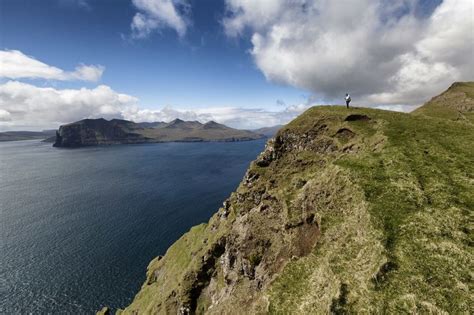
x=419, y=194
x=457, y=104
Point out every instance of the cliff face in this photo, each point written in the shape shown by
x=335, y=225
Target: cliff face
x=346, y=211
x=89, y=132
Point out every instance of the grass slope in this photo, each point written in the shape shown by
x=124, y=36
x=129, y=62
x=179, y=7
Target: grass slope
x=456, y=103
x=406, y=244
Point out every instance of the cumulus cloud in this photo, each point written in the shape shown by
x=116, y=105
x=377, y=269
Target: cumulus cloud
x=25, y=106
x=16, y=65
x=159, y=14
x=382, y=52
x=5, y=115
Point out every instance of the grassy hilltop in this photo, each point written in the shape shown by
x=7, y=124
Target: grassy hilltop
x=346, y=211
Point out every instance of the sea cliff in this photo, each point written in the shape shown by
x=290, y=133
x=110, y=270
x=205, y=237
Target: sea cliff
x=346, y=211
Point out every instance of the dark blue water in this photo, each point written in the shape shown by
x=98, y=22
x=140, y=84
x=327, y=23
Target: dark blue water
x=80, y=226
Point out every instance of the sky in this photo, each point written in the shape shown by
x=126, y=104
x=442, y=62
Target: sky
x=244, y=63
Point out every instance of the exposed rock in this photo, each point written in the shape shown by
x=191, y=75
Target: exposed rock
x=268, y=155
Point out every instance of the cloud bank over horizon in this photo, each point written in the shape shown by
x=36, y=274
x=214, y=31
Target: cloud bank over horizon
x=29, y=106
x=382, y=52
x=24, y=105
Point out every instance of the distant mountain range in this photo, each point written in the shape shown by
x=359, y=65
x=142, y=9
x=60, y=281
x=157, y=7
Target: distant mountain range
x=268, y=132
x=26, y=135
x=89, y=132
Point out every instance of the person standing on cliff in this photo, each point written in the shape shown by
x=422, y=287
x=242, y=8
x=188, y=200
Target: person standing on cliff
x=348, y=100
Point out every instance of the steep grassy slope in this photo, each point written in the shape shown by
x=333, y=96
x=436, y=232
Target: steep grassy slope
x=346, y=211
x=456, y=103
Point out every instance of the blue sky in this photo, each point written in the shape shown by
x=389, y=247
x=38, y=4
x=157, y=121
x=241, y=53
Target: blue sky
x=205, y=68
x=244, y=63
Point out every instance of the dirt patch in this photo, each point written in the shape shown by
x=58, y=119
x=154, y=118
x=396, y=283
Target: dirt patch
x=345, y=134
x=357, y=117
x=383, y=273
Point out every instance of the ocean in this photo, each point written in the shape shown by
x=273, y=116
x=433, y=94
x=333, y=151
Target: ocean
x=79, y=226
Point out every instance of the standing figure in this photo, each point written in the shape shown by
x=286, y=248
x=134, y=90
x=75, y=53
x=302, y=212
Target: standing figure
x=348, y=100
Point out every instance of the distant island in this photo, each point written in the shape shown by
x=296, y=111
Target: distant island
x=90, y=132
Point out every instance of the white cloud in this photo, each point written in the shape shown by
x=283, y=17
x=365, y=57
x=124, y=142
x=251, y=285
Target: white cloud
x=158, y=14
x=83, y=4
x=25, y=106
x=256, y=14
x=382, y=52
x=398, y=108
x=16, y=65
x=5, y=115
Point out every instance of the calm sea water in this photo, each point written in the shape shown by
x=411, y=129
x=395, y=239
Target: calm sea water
x=79, y=227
